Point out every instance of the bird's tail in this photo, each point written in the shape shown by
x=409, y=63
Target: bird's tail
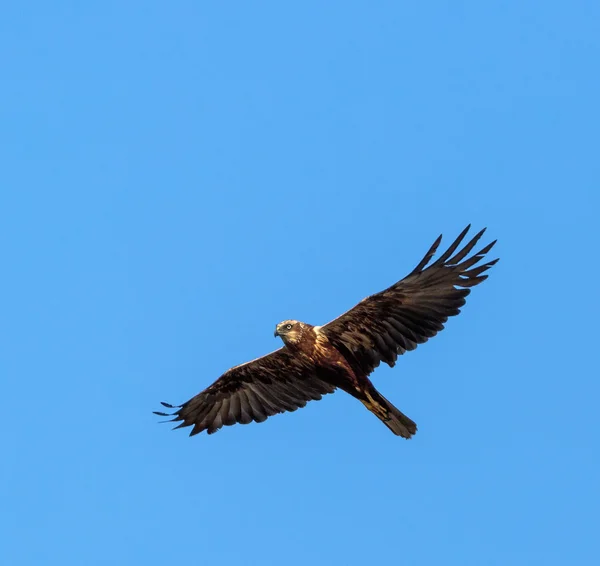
x=389, y=415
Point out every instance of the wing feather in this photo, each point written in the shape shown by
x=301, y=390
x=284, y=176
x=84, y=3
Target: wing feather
x=246, y=412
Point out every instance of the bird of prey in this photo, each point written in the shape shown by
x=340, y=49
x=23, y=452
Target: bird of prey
x=316, y=360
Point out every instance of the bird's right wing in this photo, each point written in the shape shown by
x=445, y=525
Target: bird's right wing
x=254, y=391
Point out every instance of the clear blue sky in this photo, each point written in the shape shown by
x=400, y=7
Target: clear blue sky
x=177, y=177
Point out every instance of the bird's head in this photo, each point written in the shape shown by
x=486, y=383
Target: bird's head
x=290, y=331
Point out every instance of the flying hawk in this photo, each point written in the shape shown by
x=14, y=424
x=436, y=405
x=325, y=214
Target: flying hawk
x=316, y=360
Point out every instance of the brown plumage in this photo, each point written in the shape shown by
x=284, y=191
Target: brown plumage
x=316, y=360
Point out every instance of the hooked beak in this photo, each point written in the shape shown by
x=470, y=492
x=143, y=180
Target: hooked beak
x=276, y=333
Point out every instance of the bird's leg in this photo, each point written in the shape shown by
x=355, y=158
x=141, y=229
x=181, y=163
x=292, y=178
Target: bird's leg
x=375, y=407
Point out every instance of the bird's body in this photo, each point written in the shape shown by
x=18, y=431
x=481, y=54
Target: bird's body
x=316, y=360
x=335, y=369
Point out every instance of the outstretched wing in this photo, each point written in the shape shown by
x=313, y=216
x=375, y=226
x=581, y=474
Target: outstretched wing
x=275, y=383
x=411, y=311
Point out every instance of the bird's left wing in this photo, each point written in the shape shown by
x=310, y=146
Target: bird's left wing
x=254, y=391
x=411, y=311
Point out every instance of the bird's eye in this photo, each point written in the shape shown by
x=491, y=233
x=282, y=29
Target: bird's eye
x=288, y=326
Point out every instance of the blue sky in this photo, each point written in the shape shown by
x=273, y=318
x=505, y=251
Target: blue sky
x=178, y=177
